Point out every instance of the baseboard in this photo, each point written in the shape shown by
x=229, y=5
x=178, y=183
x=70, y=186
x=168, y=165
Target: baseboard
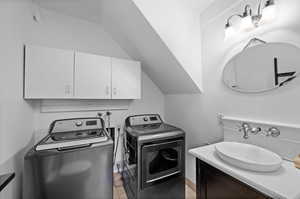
x=190, y=184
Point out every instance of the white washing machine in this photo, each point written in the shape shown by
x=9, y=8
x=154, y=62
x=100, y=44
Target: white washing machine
x=75, y=160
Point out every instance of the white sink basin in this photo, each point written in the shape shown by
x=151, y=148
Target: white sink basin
x=248, y=156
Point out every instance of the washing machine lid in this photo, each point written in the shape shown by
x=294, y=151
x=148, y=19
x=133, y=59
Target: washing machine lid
x=48, y=143
x=74, y=132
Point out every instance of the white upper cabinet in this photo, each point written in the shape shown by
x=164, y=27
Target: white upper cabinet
x=63, y=74
x=126, y=79
x=92, y=76
x=48, y=73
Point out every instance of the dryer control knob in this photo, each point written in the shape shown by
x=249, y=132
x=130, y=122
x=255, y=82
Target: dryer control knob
x=146, y=119
x=78, y=124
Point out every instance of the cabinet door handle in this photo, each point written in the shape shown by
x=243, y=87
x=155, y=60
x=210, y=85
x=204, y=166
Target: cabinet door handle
x=68, y=89
x=107, y=90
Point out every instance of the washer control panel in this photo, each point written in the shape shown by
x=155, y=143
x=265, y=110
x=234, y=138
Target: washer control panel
x=144, y=119
x=76, y=124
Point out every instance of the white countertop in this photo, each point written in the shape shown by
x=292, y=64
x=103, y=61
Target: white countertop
x=281, y=184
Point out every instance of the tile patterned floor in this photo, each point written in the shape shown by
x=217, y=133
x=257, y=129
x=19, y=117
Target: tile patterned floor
x=119, y=193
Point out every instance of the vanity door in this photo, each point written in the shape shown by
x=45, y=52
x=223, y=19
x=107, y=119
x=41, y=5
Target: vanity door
x=214, y=184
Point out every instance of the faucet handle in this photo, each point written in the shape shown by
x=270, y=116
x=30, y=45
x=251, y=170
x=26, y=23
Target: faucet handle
x=255, y=130
x=273, y=131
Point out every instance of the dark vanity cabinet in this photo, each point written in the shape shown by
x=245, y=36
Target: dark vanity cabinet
x=215, y=184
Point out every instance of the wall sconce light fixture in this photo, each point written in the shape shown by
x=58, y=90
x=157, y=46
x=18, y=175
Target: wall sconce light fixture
x=265, y=14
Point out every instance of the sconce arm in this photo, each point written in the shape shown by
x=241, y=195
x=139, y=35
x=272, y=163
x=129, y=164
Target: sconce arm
x=268, y=2
x=247, y=10
x=229, y=18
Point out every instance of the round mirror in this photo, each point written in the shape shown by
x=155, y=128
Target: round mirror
x=262, y=67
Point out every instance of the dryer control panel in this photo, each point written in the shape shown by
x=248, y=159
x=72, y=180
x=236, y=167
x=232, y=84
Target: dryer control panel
x=144, y=119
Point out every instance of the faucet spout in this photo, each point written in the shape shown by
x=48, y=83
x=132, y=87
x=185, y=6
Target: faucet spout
x=245, y=128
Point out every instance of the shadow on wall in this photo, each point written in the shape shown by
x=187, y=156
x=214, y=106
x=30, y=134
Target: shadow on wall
x=15, y=164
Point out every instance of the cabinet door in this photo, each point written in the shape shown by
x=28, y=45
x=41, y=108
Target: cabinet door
x=126, y=79
x=48, y=73
x=214, y=184
x=92, y=76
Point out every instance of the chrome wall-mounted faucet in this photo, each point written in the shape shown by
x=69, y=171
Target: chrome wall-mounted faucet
x=246, y=129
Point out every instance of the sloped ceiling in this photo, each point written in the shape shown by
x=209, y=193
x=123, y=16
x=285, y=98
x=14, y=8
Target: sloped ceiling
x=134, y=33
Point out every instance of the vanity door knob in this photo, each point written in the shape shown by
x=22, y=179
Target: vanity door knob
x=78, y=124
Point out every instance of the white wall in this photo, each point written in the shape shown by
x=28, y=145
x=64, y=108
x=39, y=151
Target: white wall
x=178, y=25
x=19, y=118
x=197, y=114
x=16, y=115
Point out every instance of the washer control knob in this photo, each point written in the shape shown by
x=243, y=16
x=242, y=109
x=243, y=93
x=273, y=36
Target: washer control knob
x=146, y=119
x=79, y=123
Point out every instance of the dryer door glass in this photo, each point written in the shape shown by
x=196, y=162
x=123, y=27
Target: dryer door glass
x=161, y=160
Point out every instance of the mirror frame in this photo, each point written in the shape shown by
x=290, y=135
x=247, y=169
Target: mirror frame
x=252, y=43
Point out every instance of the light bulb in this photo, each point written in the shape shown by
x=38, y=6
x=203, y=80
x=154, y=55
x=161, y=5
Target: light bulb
x=269, y=14
x=246, y=24
x=230, y=32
